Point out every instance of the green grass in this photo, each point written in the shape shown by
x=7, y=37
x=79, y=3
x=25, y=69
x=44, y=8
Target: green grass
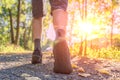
x=109, y=53
x=106, y=53
x=7, y=49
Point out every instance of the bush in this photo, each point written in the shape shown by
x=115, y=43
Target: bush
x=11, y=49
x=107, y=53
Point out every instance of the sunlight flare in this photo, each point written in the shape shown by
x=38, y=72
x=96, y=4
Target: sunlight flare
x=86, y=27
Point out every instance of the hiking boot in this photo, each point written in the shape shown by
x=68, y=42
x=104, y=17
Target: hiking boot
x=61, y=53
x=36, y=57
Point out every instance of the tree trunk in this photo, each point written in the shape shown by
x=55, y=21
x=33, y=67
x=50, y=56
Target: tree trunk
x=114, y=3
x=25, y=39
x=85, y=18
x=82, y=17
x=111, y=36
x=85, y=4
x=85, y=46
x=83, y=10
x=81, y=48
x=26, y=36
x=18, y=22
x=29, y=32
x=11, y=27
x=91, y=44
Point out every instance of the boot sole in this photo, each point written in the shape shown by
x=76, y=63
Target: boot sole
x=62, y=62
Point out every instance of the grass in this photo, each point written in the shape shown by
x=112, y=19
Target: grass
x=109, y=53
x=8, y=49
x=105, y=53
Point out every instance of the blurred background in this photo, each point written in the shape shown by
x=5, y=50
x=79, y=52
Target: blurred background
x=93, y=27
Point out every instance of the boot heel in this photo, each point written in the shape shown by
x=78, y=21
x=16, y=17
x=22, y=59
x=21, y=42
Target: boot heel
x=36, y=59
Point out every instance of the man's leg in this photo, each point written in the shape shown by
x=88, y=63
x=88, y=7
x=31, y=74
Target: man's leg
x=61, y=53
x=37, y=10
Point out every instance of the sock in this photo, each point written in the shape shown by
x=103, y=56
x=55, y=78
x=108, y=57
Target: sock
x=37, y=44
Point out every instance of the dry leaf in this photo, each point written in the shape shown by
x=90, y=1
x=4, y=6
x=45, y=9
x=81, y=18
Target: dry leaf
x=84, y=75
x=80, y=69
x=104, y=71
x=75, y=66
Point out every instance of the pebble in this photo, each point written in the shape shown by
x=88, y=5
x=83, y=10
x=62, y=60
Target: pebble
x=48, y=76
x=64, y=77
x=32, y=78
x=20, y=68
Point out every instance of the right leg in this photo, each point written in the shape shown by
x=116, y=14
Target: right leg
x=61, y=52
x=37, y=10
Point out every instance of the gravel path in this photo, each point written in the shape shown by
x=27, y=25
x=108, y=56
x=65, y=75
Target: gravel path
x=19, y=67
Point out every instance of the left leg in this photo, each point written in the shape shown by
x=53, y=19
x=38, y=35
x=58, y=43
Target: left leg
x=37, y=10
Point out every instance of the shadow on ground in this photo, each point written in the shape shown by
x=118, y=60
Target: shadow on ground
x=19, y=67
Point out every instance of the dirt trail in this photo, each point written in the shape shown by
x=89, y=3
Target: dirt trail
x=19, y=67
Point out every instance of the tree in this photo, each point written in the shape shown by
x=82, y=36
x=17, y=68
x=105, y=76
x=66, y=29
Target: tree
x=83, y=13
x=6, y=14
x=114, y=4
x=11, y=27
x=18, y=22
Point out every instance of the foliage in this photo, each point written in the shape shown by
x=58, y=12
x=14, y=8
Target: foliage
x=101, y=18
x=107, y=53
x=8, y=48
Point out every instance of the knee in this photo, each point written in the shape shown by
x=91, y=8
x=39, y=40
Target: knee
x=34, y=20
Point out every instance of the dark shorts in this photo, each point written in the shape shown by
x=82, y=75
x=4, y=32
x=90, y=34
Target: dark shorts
x=37, y=6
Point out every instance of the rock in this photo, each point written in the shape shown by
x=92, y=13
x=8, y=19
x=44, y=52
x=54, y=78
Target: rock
x=84, y=75
x=32, y=78
x=48, y=76
x=22, y=69
x=25, y=75
x=64, y=77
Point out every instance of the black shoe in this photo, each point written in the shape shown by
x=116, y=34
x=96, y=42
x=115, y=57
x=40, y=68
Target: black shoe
x=36, y=57
x=62, y=62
